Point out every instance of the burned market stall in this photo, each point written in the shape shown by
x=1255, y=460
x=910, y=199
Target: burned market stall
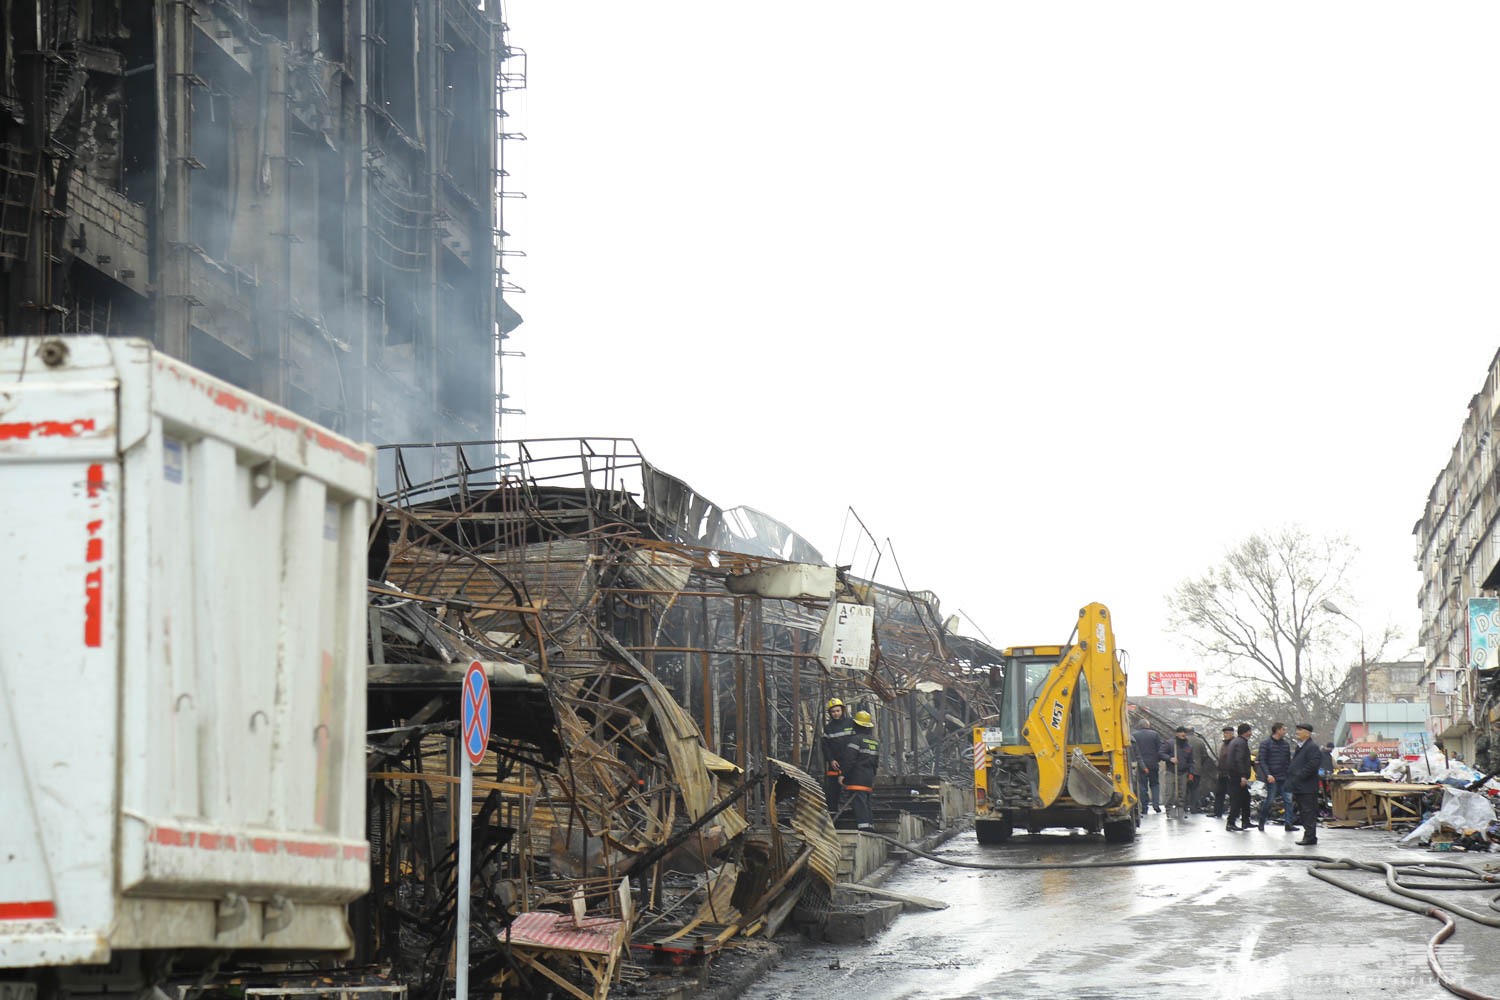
x=678, y=646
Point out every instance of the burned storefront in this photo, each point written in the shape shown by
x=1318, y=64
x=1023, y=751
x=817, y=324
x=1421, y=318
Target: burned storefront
x=677, y=644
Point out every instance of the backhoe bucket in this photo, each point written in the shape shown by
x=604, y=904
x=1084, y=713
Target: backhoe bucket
x=1086, y=785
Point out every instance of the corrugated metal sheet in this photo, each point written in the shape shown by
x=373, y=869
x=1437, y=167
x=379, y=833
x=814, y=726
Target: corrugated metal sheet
x=812, y=821
x=684, y=745
x=546, y=929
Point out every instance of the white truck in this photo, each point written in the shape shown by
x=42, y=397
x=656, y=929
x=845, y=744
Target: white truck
x=182, y=668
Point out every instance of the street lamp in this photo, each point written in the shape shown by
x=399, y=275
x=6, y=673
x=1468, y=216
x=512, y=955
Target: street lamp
x=1364, y=698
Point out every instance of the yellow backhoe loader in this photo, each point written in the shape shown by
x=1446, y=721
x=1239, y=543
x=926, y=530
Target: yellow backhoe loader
x=1061, y=755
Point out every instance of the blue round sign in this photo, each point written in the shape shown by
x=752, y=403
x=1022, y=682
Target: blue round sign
x=475, y=714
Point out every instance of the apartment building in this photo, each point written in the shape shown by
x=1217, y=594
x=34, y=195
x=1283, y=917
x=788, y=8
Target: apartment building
x=1458, y=553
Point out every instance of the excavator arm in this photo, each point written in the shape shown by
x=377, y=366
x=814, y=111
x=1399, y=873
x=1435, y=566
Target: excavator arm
x=1092, y=657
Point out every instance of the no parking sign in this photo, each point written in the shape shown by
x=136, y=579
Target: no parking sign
x=476, y=713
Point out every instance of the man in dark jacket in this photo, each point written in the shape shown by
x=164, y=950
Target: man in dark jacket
x=859, y=770
x=1148, y=755
x=1325, y=774
x=837, y=732
x=1302, y=776
x=1274, y=758
x=1221, y=783
x=1179, y=756
x=1238, y=762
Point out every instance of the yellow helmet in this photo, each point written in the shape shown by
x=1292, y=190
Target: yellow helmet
x=835, y=703
x=864, y=719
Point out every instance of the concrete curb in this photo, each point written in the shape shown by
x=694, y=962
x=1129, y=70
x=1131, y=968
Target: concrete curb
x=880, y=875
x=742, y=979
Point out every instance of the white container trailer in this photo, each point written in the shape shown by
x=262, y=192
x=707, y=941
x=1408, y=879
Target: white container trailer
x=182, y=663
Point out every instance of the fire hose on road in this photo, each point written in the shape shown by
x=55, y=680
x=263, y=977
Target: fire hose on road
x=1418, y=898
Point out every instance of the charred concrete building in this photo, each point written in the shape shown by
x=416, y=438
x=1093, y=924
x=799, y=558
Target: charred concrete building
x=300, y=196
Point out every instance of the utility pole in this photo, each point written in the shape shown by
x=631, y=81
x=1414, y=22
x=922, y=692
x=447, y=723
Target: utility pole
x=1364, y=669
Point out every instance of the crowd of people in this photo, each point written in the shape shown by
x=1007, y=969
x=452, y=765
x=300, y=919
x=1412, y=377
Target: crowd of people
x=1293, y=769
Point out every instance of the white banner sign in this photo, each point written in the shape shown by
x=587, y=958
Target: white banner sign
x=845, y=642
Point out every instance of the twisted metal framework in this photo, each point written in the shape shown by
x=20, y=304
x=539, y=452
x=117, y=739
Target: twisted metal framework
x=674, y=697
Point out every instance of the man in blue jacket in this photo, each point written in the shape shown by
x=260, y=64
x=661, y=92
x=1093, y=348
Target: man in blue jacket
x=1274, y=759
x=1148, y=755
x=1302, y=776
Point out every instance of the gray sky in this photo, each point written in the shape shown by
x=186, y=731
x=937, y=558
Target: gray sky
x=1063, y=298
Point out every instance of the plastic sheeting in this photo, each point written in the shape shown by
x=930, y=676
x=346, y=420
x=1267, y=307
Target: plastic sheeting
x=1460, y=812
x=1432, y=766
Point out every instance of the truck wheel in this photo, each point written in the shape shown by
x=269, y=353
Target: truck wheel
x=1120, y=831
x=992, y=831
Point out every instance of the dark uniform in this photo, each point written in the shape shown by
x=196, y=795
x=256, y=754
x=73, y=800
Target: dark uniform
x=859, y=774
x=1302, y=779
x=1221, y=784
x=1148, y=756
x=1183, y=773
x=836, y=736
x=1238, y=762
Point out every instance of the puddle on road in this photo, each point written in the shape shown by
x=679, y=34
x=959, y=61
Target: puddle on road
x=1243, y=929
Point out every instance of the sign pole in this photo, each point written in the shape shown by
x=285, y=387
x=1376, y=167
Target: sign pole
x=474, y=724
x=465, y=835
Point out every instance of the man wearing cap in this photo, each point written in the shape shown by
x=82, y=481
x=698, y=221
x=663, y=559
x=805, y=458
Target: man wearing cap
x=1302, y=780
x=837, y=732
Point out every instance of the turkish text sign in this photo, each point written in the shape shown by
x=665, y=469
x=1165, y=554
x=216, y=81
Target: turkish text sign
x=846, y=637
x=1172, y=683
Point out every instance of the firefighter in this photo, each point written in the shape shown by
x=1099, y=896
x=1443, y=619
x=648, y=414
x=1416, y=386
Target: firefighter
x=859, y=773
x=837, y=732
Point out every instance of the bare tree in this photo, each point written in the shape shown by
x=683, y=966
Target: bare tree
x=1260, y=613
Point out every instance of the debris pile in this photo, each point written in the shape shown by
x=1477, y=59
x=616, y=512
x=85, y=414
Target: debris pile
x=1465, y=820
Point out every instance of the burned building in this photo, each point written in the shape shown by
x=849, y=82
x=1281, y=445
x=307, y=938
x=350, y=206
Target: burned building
x=678, y=644
x=299, y=196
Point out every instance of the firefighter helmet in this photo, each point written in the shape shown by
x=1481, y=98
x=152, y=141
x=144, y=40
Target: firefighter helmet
x=864, y=719
x=835, y=703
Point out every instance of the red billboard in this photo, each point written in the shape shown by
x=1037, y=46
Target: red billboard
x=1172, y=683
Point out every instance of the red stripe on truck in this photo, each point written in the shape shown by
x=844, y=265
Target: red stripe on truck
x=249, y=406
x=93, y=580
x=41, y=909
x=45, y=428
x=171, y=837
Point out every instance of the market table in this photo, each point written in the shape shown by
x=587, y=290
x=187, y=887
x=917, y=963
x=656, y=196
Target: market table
x=1392, y=800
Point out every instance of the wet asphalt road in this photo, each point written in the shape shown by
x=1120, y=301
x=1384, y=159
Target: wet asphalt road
x=1221, y=929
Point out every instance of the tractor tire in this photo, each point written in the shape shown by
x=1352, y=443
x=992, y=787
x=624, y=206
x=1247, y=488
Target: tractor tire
x=1119, y=831
x=992, y=831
